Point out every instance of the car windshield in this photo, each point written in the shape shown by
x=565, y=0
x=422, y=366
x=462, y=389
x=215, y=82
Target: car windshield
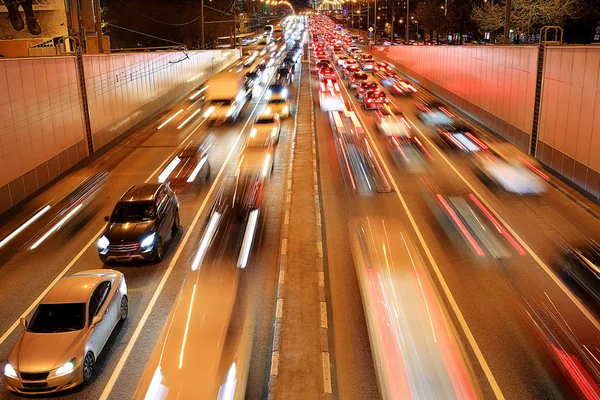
x=133, y=212
x=55, y=318
x=275, y=101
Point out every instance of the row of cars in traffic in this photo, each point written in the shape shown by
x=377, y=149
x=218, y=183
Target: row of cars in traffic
x=499, y=165
x=68, y=330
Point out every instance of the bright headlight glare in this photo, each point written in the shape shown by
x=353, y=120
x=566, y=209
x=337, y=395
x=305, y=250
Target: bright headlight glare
x=230, y=111
x=103, y=242
x=66, y=368
x=268, y=94
x=284, y=93
x=10, y=371
x=274, y=132
x=286, y=109
x=149, y=240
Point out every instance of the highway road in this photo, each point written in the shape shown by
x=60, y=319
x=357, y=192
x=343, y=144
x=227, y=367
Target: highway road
x=486, y=298
x=27, y=273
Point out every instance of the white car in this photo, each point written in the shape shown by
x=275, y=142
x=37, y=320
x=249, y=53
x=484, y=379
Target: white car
x=278, y=100
x=266, y=129
x=341, y=61
x=391, y=124
x=512, y=173
x=61, y=343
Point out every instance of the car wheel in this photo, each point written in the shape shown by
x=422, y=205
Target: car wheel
x=176, y=222
x=158, y=250
x=88, y=366
x=124, y=308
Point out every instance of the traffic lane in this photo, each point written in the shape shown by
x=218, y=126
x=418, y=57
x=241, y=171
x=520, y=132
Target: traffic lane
x=142, y=280
x=89, y=255
x=488, y=317
x=260, y=284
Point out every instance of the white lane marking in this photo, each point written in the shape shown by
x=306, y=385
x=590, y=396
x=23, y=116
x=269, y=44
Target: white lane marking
x=522, y=242
x=283, y=246
x=461, y=319
x=281, y=277
x=25, y=225
x=274, y=363
x=321, y=278
x=123, y=359
x=58, y=277
x=323, y=315
x=279, y=309
x=326, y=372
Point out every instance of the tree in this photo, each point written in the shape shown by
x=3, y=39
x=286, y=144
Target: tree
x=527, y=16
x=430, y=15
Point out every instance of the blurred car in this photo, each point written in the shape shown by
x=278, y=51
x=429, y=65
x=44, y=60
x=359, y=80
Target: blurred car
x=69, y=329
x=192, y=162
x=434, y=113
x=401, y=87
x=374, y=99
x=459, y=137
x=412, y=337
x=326, y=73
x=283, y=76
x=266, y=129
x=382, y=66
x=249, y=57
x=357, y=78
x=278, y=100
x=341, y=60
x=330, y=96
x=502, y=167
x=581, y=263
x=364, y=87
x=392, y=123
x=141, y=220
x=349, y=70
x=350, y=62
x=321, y=64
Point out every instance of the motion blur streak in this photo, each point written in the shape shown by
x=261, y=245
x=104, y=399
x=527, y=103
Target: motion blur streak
x=187, y=327
x=192, y=97
x=170, y=118
x=498, y=225
x=172, y=165
x=196, y=170
x=248, y=238
x=534, y=169
x=25, y=225
x=347, y=164
x=205, y=241
x=460, y=225
x=415, y=346
x=227, y=391
x=188, y=119
x=56, y=227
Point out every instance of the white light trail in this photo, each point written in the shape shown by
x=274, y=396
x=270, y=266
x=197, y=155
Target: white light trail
x=196, y=170
x=170, y=118
x=25, y=225
x=170, y=168
x=248, y=238
x=188, y=119
x=56, y=227
x=206, y=238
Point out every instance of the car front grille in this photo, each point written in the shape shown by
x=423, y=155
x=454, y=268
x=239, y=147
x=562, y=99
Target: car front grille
x=37, y=389
x=34, y=376
x=123, y=247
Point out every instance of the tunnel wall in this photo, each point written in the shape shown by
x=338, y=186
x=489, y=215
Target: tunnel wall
x=495, y=85
x=569, y=130
x=42, y=131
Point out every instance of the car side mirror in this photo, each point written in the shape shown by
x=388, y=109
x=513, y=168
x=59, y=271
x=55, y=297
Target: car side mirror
x=106, y=218
x=23, y=322
x=97, y=319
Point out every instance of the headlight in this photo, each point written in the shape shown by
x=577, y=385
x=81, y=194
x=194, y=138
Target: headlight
x=149, y=240
x=284, y=93
x=286, y=110
x=230, y=111
x=66, y=368
x=10, y=371
x=274, y=132
x=103, y=242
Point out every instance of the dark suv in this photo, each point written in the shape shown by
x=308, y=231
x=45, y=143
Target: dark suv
x=141, y=220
